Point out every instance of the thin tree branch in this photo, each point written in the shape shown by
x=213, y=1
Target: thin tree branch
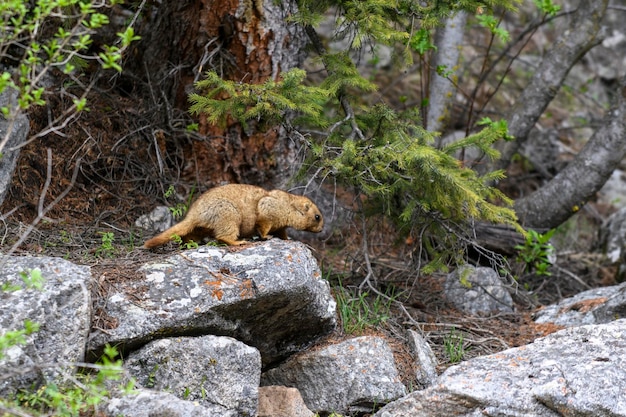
x=583, y=34
x=568, y=191
x=343, y=100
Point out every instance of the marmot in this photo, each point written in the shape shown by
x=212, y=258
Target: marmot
x=232, y=212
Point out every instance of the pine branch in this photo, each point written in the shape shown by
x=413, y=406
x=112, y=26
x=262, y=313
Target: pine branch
x=343, y=100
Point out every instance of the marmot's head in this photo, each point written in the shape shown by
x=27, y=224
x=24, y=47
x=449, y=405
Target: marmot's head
x=312, y=220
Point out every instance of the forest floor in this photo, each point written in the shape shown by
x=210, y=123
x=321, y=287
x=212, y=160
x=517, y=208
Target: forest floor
x=102, y=167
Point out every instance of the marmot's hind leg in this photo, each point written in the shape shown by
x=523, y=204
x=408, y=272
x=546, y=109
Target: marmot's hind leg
x=263, y=229
x=197, y=235
x=227, y=228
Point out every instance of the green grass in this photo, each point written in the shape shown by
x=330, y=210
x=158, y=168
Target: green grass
x=453, y=346
x=359, y=310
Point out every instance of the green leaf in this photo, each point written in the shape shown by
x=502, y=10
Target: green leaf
x=81, y=104
x=128, y=36
x=421, y=42
x=492, y=23
x=109, y=60
x=547, y=7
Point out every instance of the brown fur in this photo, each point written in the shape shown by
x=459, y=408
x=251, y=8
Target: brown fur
x=236, y=211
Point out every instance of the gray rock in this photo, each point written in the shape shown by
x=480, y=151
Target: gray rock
x=220, y=373
x=17, y=130
x=425, y=359
x=350, y=376
x=575, y=372
x=477, y=291
x=595, y=306
x=277, y=401
x=62, y=308
x=146, y=403
x=268, y=295
x=158, y=220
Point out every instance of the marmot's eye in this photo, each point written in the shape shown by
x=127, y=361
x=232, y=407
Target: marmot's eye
x=317, y=217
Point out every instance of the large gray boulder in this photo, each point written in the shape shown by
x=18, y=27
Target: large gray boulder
x=220, y=373
x=595, y=306
x=575, y=372
x=269, y=295
x=351, y=376
x=62, y=309
x=15, y=132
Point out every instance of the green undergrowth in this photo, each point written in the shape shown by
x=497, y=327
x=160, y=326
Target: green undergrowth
x=360, y=310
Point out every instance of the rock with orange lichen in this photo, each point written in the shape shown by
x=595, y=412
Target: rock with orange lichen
x=574, y=372
x=268, y=295
x=595, y=306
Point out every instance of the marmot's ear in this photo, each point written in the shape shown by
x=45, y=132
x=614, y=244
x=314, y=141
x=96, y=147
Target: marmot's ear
x=302, y=208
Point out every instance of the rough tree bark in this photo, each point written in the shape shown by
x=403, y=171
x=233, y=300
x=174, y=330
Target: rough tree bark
x=441, y=90
x=243, y=40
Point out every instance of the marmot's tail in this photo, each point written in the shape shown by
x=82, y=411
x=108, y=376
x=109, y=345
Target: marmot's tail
x=181, y=229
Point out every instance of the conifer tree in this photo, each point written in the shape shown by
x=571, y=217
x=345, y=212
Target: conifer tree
x=378, y=151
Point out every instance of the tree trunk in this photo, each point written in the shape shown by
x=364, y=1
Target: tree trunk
x=567, y=192
x=242, y=40
x=441, y=90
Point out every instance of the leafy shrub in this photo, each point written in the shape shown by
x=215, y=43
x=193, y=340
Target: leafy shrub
x=52, y=37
